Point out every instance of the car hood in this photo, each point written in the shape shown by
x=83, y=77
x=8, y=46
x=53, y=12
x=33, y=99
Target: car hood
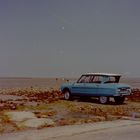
x=66, y=85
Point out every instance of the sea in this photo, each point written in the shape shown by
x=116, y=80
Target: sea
x=55, y=83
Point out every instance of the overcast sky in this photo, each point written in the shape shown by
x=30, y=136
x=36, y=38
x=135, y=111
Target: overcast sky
x=48, y=38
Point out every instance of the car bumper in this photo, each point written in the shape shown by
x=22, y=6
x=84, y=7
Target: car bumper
x=122, y=94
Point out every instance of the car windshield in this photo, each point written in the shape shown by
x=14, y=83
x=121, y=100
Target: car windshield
x=84, y=79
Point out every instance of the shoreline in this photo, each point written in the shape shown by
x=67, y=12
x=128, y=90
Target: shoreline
x=26, y=82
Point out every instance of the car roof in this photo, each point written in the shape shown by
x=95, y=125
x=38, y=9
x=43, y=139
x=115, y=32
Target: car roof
x=103, y=74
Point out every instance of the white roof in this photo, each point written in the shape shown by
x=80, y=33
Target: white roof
x=106, y=74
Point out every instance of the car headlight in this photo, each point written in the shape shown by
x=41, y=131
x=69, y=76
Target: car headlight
x=118, y=90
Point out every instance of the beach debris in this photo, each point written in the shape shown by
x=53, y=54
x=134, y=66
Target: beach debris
x=39, y=108
x=135, y=96
x=35, y=94
x=135, y=115
x=6, y=105
x=45, y=114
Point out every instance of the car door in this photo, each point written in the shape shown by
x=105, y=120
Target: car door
x=84, y=87
x=78, y=89
x=105, y=88
x=92, y=88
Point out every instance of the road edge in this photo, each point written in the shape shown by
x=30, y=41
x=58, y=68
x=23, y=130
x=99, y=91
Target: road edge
x=54, y=132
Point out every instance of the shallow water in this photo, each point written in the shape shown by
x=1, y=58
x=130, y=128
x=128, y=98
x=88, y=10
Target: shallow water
x=51, y=82
x=31, y=82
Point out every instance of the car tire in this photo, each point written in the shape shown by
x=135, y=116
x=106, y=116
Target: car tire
x=67, y=95
x=119, y=100
x=103, y=99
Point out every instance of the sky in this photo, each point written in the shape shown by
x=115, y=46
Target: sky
x=65, y=38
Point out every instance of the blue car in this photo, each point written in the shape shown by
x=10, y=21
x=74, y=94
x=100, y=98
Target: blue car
x=101, y=85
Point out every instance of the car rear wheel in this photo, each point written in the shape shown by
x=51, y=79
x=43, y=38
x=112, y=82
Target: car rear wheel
x=67, y=95
x=119, y=100
x=103, y=99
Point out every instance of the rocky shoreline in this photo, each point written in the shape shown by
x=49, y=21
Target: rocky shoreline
x=37, y=108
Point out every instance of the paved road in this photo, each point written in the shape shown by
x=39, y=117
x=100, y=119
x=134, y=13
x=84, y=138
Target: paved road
x=119, y=133
x=113, y=130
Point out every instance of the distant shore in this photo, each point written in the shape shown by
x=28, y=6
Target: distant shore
x=26, y=82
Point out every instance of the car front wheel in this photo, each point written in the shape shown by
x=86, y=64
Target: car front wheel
x=67, y=95
x=119, y=100
x=103, y=99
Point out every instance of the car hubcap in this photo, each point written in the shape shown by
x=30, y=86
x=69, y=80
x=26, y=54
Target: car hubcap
x=67, y=95
x=103, y=99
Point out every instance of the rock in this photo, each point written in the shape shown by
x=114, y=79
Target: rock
x=100, y=118
x=25, y=119
x=111, y=117
x=135, y=115
x=1, y=120
x=37, y=123
x=126, y=118
x=19, y=116
x=1, y=128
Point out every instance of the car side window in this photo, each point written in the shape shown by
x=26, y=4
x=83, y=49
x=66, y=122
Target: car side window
x=111, y=79
x=97, y=79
